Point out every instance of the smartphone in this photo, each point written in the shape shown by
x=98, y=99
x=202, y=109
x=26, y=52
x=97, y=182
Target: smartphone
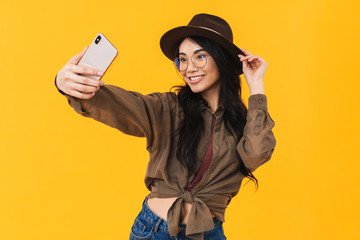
x=99, y=55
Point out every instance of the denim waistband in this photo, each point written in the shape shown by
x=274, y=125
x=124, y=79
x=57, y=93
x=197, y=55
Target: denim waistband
x=158, y=222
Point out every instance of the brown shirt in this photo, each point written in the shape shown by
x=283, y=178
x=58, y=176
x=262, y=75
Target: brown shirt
x=157, y=117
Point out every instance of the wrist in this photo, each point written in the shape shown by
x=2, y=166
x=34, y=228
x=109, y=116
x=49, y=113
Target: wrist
x=257, y=92
x=257, y=89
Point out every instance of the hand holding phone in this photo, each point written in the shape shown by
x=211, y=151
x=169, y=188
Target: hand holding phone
x=80, y=76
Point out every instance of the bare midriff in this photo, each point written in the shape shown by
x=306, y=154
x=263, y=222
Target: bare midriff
x=160, y=207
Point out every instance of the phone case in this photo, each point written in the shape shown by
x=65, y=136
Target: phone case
x=99, y=55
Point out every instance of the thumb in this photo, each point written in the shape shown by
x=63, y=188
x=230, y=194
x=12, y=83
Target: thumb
x=75, y=59
x=245, y=65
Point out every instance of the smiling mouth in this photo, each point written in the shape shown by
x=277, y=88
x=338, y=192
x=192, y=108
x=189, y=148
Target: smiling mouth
x=196, y=78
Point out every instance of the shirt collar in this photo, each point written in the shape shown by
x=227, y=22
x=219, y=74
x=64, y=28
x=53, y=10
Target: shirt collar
x=219, y=111
x=205, y=106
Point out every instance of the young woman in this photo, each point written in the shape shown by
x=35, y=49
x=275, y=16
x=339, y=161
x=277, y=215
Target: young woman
x=202, y=140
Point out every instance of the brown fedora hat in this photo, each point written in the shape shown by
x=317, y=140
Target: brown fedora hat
x=201, y=25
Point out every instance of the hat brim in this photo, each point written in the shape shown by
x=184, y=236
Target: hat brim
x=170, y=41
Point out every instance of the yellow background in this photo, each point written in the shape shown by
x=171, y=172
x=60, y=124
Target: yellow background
x=63, y=176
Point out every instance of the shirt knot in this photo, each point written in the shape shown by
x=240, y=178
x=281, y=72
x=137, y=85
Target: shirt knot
x=187, y=196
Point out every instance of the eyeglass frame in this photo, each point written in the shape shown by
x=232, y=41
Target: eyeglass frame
x=197, y=52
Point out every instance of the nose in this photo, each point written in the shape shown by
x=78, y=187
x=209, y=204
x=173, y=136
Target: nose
x=191, y=67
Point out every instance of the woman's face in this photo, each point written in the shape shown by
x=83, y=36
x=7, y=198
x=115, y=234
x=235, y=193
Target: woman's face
x=204, y=80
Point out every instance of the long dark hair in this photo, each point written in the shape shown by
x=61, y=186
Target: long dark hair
x=235, y=112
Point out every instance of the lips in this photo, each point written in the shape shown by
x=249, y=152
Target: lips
x=195, y=79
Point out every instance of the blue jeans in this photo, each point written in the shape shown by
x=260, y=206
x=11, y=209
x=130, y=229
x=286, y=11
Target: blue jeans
x=149, y=226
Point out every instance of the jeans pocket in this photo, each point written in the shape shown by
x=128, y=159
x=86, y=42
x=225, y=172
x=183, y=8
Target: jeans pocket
x=142, y=229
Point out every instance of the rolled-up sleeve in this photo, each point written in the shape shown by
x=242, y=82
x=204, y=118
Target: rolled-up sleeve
x=258, y=141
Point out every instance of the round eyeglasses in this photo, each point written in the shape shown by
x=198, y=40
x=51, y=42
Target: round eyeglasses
x=198, y=59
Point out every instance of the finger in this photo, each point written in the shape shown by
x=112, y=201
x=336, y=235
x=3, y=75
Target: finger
x=84, y=70
x=245, y=58
x=75, y=59
x=81, y=95
x=245, y=64
x=252, y=58
x=86, y=81
x=82, y=88
x=246, y=52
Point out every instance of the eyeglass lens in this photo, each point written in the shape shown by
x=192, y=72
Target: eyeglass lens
x=198, y=59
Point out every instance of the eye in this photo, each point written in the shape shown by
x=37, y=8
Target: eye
x=182, y=59
x=201, y=57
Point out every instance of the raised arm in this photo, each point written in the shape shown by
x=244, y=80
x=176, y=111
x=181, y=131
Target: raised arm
x=130, y=112
x=258, y=141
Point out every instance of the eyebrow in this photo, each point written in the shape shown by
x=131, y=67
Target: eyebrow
x=196, y=51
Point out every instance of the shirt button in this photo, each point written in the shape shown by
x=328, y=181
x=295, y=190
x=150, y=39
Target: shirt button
x=260, y=101
x=216, y=147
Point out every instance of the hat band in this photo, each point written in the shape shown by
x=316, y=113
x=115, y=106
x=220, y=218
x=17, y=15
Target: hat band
x=209, y=29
